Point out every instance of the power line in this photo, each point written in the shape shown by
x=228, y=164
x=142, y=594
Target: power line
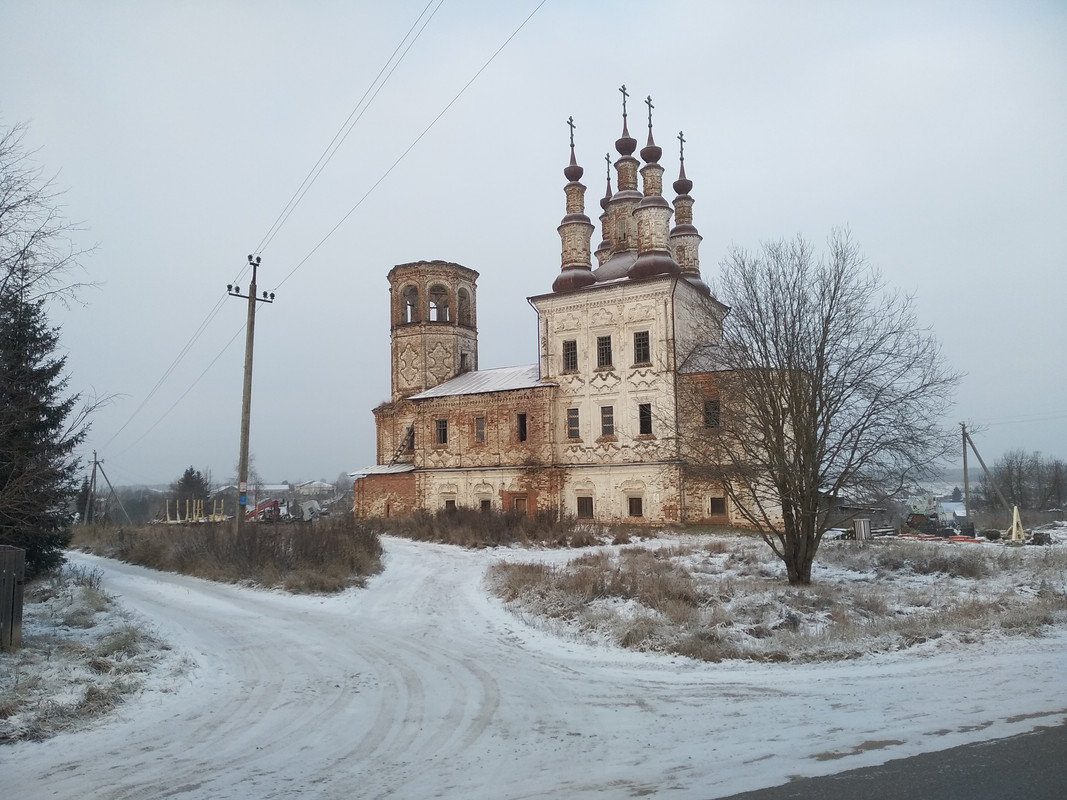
x=298, y=195
x=349, y=123
x=409, y=148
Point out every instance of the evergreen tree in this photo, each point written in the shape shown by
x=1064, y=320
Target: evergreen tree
x=191, y=486
x=39, y=430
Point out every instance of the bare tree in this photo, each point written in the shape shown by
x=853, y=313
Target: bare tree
x=41, y=426
x=38, y=256
x=830, y=390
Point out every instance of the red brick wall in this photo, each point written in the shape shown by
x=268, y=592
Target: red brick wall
x=390, y=495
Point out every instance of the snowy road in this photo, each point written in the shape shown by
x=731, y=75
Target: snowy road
x=421, y=686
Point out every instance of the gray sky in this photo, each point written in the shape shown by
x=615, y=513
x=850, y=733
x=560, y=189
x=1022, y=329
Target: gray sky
x=936, y=131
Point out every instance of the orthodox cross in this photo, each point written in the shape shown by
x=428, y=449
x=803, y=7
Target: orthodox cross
x=607, y=159
x=681, y=146
x=570, y=122
x=648, y=102
x=625, y=94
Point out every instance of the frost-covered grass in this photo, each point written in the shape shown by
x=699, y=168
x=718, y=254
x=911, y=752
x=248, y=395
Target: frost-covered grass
x=725, y=597
x=80, y=656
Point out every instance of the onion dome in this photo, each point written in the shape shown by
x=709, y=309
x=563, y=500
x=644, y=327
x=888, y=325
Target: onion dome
x=575, y=231
x=653, y=216
x=685, y=239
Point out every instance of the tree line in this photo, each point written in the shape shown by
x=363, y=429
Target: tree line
x=1031, y=481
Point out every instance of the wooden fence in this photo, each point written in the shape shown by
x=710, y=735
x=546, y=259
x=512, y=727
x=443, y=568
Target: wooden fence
x=12, y=582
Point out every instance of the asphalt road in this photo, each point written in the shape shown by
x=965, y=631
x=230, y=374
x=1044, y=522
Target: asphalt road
x=1031, y=766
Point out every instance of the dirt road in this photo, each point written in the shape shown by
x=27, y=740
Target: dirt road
x=422, y=686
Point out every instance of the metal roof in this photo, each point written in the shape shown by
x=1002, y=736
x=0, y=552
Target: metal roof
x=382, y=469
x=482, y=381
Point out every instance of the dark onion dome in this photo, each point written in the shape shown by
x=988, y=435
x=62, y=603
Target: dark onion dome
x=626, y=144
x=572, y=171
x=651, y=152
x=683, y=185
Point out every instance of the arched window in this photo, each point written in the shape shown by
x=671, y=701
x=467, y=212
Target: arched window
x=410, y=310
x=438, y=303
x=463, y=301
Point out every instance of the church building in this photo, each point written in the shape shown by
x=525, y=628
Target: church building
x=607, y=425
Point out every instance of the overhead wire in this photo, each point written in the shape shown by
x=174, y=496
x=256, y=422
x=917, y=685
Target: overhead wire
x=348, y=125
x=313, y=174
x=409, y=148
x=298, y=195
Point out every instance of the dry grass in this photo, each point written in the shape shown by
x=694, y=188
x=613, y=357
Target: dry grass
x=68, y=642
x=471, y=528
x=328, y=555
x=727, y=598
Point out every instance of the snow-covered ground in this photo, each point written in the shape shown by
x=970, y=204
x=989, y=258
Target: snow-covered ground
x=422, y=685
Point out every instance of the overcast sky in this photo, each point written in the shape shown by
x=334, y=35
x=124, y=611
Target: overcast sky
x=937, y=131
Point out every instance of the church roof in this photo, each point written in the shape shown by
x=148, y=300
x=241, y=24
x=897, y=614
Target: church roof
x=501, y=379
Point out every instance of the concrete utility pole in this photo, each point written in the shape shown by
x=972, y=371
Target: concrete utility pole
x=246, y=397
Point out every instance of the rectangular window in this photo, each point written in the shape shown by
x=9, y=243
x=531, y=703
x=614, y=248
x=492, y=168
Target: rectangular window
x=486, y=505
x=572, y=424
x=585, y=508
x=520, y=421
x=519, y=504
x=642, y=351
x=603, y=351
x=718, y=507
x=570, y=356
x=711, y=413
x=634, y=506
x=450, y=505
x=644, y=417
x=607, y=421
x=441, y=428
x=479, y=430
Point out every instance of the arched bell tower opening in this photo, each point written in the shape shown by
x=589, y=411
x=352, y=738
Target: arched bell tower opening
x=433, y=324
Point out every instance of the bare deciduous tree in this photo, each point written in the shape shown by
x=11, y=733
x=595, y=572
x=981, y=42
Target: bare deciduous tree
x=40, y=425
x=38, y=252
x=830, y=389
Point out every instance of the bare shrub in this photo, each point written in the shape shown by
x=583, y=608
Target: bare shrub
x=327, y=555
x=658, y=598
x=468, y=527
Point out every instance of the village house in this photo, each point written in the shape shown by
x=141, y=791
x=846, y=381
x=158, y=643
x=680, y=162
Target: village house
x=603, y=426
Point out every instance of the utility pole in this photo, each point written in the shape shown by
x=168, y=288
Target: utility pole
x=966, y=484
x=246, y=396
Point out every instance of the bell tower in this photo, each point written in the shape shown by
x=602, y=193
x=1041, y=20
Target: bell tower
x=433, y=324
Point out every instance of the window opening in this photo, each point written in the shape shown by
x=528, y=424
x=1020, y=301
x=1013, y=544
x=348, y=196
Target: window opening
x=570, y=356
x=438, y=303
x=585, y=508
x=410, y=311
x=644, y=416
x=486, y=505
x=712, y=409
x=521, y=427
x=603, y=351
x=717, y=507
x=572, y=424
x=450, y=505
x=642, y=350
x=479, y=429
x=607, y=420
x=634, y=506
x=519, y=504
x=442, y=431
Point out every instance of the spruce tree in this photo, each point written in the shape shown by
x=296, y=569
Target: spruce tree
x=39, y=431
